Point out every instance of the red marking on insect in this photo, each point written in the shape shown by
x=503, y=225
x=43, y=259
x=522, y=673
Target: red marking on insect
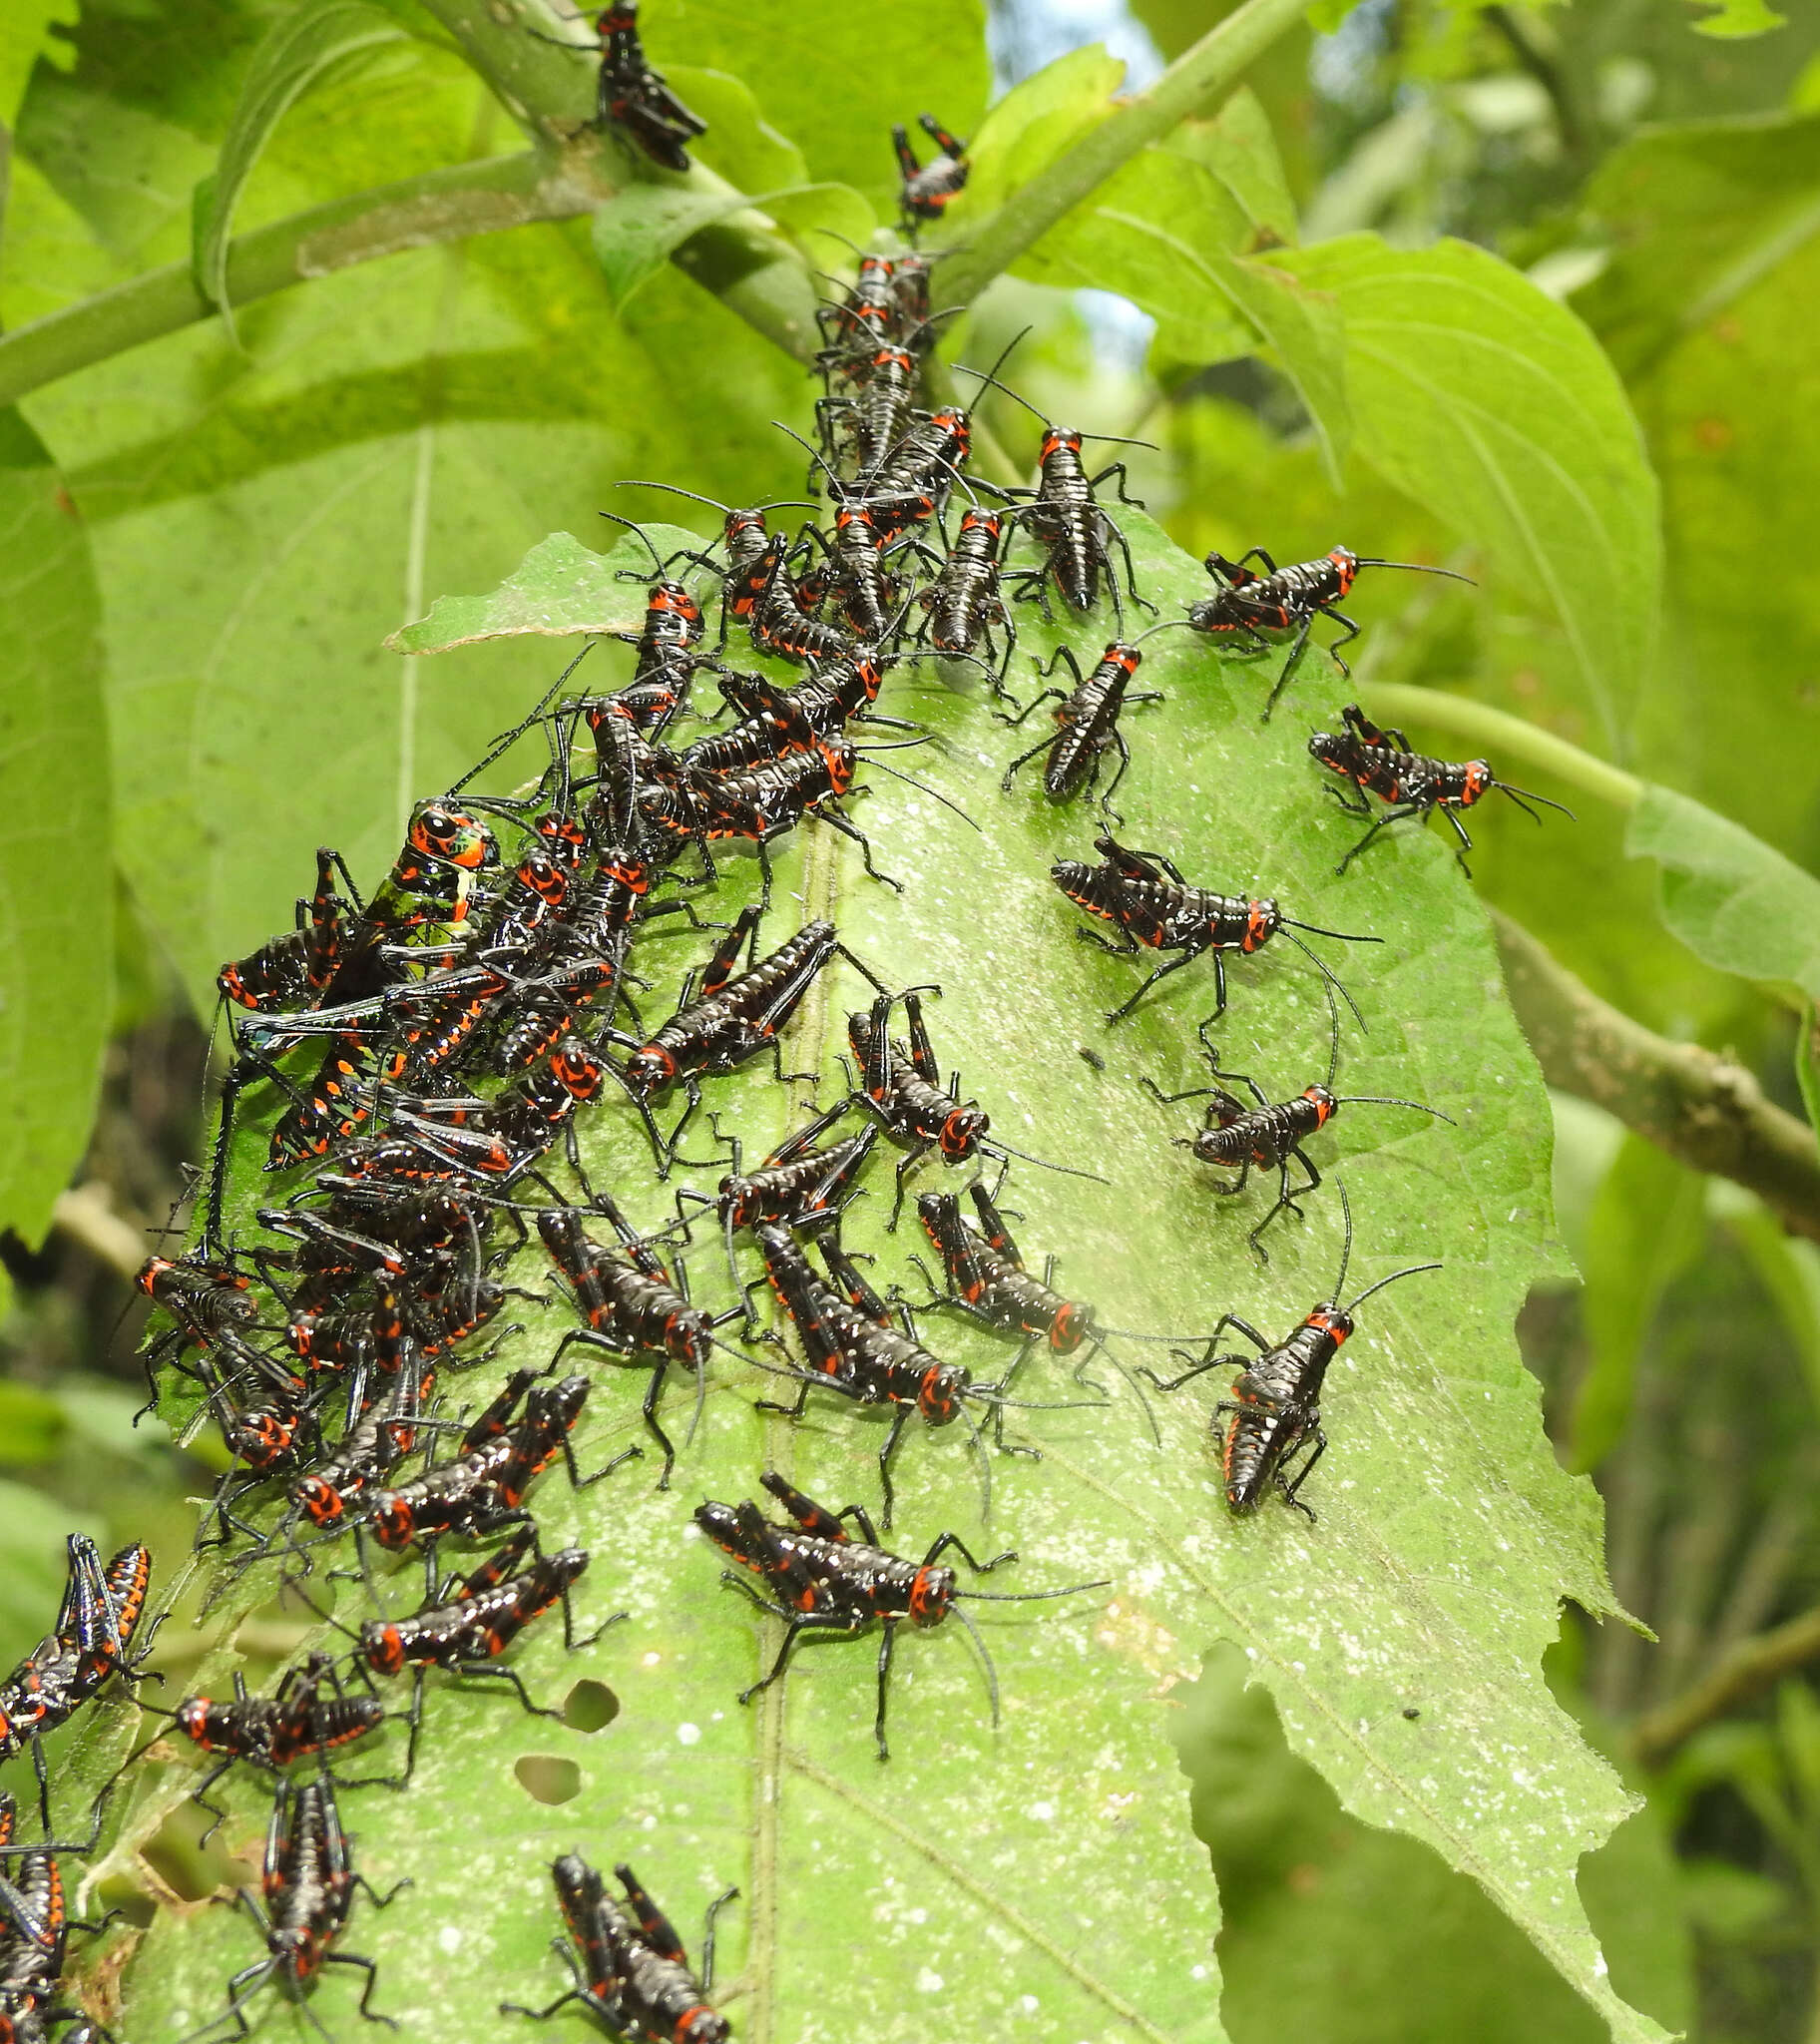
x=934, y=1400
x=1068, y=1330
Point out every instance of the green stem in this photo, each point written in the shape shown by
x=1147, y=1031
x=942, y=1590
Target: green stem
x=442, y=205
x=1507, y=737
x=549, y=93
x=1208, y=67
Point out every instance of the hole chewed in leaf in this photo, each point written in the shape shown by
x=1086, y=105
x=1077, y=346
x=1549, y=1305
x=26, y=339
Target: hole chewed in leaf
x=187, y=1867
x=589, y=1707
x=547, y=1778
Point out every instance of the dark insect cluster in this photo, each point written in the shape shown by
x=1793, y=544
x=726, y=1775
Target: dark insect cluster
x=417, y=1060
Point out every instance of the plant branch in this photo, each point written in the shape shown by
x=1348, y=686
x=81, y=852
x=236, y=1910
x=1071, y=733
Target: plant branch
x=85, y=1215
x=1207, y=68
x=1699, y=1107
x=1536, y=48
x=1751, y=1667
x=444, y=205
x=1508, y=737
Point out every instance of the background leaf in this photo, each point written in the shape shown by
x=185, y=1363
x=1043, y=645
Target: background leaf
x=740, y=143
x=1807, y=1062
x=1704, y=303
x=1645, y=1228
x=31, y=1424
x=1788, y=1267
x=1696, y=211
x=1726, y=894
x=28, y=25
x=1237, y=143
x=979, y=1867
x=386, y=434
x=310, y=46
x=636, y=231
x=32, y=1581
x=892, y=64
x=1039, y=119
x=54, y=794
x=1739, y=18
x=1487, y=402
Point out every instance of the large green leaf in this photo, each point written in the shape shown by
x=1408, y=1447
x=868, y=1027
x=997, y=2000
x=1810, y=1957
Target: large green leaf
x=1494, y=407
x=559, y=589
x=1335, y=1933
x=1706, y=305
x=1041, y=1879
x=1744, y=908
x=56, y=876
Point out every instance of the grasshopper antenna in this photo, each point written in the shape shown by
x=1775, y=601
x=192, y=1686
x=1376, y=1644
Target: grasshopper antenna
x=979, y=1647
x=1346, y=1258
x=504, y=743
x=922, y=787
x=1523, y=796
x=634, y=482
x=1320, y=965
x=991, y=378
x=1414, y=568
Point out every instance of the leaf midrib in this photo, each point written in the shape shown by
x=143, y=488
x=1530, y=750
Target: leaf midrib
x=807, y=1039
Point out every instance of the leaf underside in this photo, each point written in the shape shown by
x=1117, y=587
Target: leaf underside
x=1039, y=1880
